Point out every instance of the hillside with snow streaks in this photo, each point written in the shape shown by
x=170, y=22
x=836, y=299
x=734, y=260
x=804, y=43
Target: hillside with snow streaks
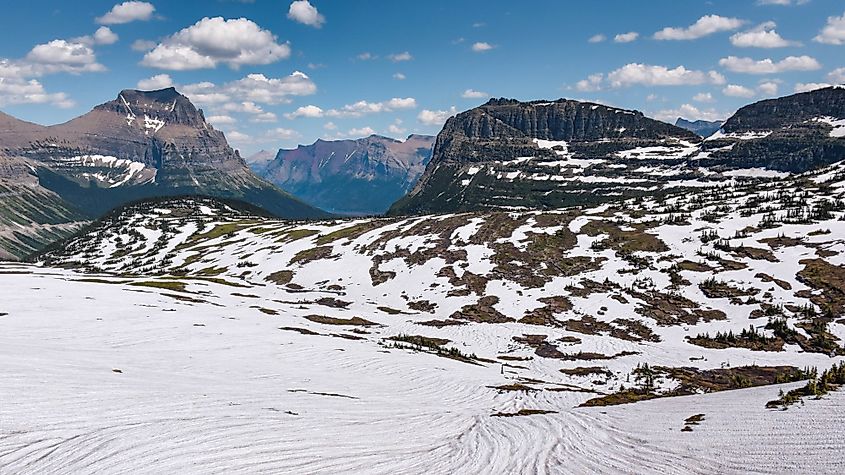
x=477, y=342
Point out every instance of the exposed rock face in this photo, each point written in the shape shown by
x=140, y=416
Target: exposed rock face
x=531, y=150
x=358, y=177
x=793, y=134
x=140, y=145
x=703, y=128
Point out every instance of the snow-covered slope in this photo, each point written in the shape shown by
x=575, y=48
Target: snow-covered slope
x=204, y=340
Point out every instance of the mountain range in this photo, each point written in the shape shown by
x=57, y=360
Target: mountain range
x=139, y=145
x=704, y=128
x=350, y=177
x=516, y=155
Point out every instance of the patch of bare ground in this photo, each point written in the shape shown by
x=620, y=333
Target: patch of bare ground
x=829, y=282
x=265, y=311
x=422, y=306
x=694, y=381
x=435, y=346
x=303, y=331
x=524, y=412
x=716, y=289
x=282, y=277
x=749, y=338
x=482, y=312
x=754, y=253
x=471, y=283
x=694, y=266
x=623, y=329
x=691, y=421
x=442, y=323
x=668, y=309
x=781, y=241
x=780, y=283
x=587, y=371
x=354, y=321
x=313, y=254
x=545, y=315
x=625, y=241
x=332, y=302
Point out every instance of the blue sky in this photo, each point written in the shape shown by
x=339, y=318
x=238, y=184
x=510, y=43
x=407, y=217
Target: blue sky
x=276, y=73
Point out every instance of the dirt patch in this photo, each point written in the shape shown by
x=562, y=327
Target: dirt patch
x=780, y=283
x=282, y=277
x=545, y=315
x=587, y=371
x=524, y=412
x=354, y=321
x=482, y=312
x=830, y=280
x=313, y=254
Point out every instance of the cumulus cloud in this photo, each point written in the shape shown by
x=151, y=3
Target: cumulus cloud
x=312, y=112
x=481, y=47
x=812, y=86
x=761, y=36
x=395, y=128
x=159, y=81
x=473, y=94
x=362, y=108
x=399, y=57
x=253, y=88
x=218, y=120
x=768, y=88
x=361, y=132
x=837, y=76
x=254, y=110
x=591, y=84
x=281, y=134
x=366, y=56
x=834, y=32
x=103, y=36
x=143, y=46
x=127, y=12
x=734, y=90
x=436, y=117
x=703, y=97
x=768, y=66
x=21, y=91
x=597, y=38
x=705, y=26
x=302, y=11
x=651, y=75
x=782, y=2
x=690, y=112
x=399, y=77
x=62, y=56
x=626, y=37
x=212, y=41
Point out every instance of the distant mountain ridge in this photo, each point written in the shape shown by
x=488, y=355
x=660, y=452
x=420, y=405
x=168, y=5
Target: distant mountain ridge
x=704, y=128
x=141, y=144
x=352, y=177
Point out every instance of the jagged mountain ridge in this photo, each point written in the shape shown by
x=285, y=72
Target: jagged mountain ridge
x=539, y=155
x=353, y=177
x=533, y=154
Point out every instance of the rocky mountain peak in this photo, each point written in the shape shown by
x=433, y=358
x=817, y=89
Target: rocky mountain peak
x=154, y=109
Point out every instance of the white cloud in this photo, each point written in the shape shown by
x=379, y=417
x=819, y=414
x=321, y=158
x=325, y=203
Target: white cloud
x=253, y=88
x=159, y=81
x=362, y=108
x=782, y=2
x=689, y=112
x=812, y=86
x=62, y=56
x=21, y=91
x=473, y=94
x=103, y=36
x=834, y=32
x=127, y=12
x=302, y=11
x=399, y=77
x=591, y=84
x=649, y=75
x=281, y=134
x=768, y=88
x=330, y=126
x=238, y=137
x=837, y=76
x=361, y=132
x=597, y=38
x=366, y=56
x=767, y=66
x=258, y=114
x=705, y=26
x=436, y=117
x=311, y=112
x=761, y=36
x=143, y=46
x=218, y=120
x=626, y=37
x=482, y=46
x=703, y=97
x=734, y=90
x=399, y=57
x=212, y=41
x=395, y=128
